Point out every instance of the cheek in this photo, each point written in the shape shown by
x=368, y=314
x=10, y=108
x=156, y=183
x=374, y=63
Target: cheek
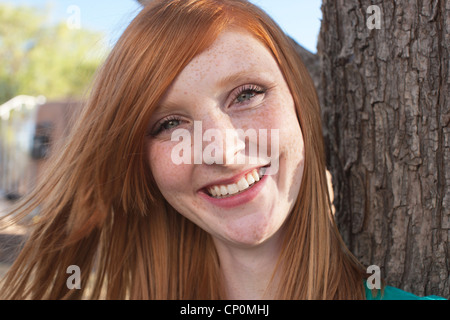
x=284, y=118
x=168, y=176
x=292, y=138
x=291, y=147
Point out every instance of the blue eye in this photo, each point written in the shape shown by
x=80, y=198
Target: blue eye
x=245, y=96
x=170, y=124
x=247, y=93
x=167, y=125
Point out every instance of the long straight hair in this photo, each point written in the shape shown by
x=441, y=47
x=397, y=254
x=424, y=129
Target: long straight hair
x=100, y=208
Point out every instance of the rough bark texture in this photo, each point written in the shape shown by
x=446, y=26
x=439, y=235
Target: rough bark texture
x=386, y=116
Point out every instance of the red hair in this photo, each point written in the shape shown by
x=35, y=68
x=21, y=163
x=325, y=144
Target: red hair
x=101, y=210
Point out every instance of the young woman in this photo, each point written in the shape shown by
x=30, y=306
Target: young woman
x=139, y=224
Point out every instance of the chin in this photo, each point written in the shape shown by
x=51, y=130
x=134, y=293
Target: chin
x=248, y=234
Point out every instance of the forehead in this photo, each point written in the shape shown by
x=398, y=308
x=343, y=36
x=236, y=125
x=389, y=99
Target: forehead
x=234, y=53
x=237, y=47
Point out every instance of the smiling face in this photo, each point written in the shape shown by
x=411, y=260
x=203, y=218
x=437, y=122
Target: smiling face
x=235, y=84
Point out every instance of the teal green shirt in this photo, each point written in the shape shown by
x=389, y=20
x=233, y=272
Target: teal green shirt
x=391, y=293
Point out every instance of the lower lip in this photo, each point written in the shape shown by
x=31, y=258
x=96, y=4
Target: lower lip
x=238, y=199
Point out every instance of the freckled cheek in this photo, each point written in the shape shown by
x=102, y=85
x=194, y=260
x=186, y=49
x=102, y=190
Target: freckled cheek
x=168, y=176
x=283, y=118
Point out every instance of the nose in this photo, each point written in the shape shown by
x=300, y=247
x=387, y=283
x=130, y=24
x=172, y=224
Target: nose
x=222, y=144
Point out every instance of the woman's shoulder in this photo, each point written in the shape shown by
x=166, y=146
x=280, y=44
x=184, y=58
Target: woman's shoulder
x=392, y=293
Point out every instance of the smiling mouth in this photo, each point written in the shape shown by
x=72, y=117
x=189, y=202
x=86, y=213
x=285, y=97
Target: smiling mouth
x=245, y=183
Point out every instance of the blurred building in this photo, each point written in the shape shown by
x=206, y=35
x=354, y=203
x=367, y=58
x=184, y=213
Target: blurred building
x=29, y=128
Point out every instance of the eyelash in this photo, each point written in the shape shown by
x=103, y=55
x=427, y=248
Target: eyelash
x=257, y=90
x=160, y=125
x=248, y=89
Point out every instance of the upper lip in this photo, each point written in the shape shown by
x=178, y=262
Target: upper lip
x=231, y=180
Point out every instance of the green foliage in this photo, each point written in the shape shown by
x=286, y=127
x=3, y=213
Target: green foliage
x=41, y=59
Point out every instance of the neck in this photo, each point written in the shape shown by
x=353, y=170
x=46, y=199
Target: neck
x=248, y=271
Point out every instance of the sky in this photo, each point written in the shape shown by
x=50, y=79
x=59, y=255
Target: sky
x=298, y=18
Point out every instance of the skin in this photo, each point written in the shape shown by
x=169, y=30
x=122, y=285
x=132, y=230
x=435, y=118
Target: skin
x=247, y=237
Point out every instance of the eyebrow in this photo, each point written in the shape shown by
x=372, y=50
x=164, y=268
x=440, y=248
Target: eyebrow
x=238, y=76
x=222, y=83
x=165, y=107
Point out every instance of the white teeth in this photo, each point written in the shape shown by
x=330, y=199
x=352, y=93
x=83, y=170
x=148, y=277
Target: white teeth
x=223, y=190
x=255, y=175
x=250, y=179
x=243, y=184
x=232, y=188
x=247, y=181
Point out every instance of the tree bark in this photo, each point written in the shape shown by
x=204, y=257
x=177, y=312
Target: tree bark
x=386, y=116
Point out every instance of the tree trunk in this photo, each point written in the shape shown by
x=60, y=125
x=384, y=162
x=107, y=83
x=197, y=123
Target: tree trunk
x=386, y=116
